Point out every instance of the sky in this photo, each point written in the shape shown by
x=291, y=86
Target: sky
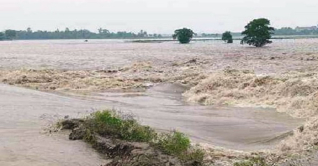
x=154, y=16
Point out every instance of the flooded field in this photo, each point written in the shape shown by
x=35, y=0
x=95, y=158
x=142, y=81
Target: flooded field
x=227, y=95
x=281, y=56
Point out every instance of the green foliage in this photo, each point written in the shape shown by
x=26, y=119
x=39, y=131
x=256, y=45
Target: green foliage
x=81, y=34
x=10, y=34
x=297, y=31
x=2, y=36
x=177, y=144
x=193, y=156
x=183, y=35
x=107, y=123
x=227, y=37
x=174, y=144
x=110, y=124
x=255, y=161
x=257, y=32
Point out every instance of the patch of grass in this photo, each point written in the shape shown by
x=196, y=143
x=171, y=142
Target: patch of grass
x=194, y=156
x=111, y=124
x=108, y=123
x=178, y=144
x=174, y=143
x=255, y=161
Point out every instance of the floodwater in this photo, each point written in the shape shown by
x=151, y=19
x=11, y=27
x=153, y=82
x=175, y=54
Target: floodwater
x=25, y=113
x=101, y=54
x=162, y=107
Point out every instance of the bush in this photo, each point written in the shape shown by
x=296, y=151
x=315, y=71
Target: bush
x=174, y=144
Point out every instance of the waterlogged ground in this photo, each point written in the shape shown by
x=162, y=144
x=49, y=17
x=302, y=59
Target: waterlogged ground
x=144, y=78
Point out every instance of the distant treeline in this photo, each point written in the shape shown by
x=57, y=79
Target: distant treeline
x=73, y=34
x=28, y=34
x=297, y=31
x=285, y=31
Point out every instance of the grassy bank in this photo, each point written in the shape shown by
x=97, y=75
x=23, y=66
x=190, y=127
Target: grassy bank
x=126, y=134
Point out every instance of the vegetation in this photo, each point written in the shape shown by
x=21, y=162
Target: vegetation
x=28, y=34
x=174, y=144
x=183, y=35
x=10, y=34
x=257, y=32
x=297, y=31
x=255, y=161
x=124, y=127
x=107, y=123
x=227, y=37
x=2, y=36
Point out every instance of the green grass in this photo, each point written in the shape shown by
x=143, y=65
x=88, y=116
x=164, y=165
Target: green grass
x=111, y=124
x=255, y=161
x=173, y=143
x=108, y=123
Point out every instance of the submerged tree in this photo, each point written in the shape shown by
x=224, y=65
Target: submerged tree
x=183, y=35
x=227, y=37
x=258, y=32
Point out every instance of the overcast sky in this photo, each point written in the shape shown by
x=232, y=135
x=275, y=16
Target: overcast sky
x=155, y=16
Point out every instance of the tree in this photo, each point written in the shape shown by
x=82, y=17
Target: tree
x=227, y=37
x=10, y=34
x=258, y=32
x=183, y=35
x=29, y=30
x=2, y=37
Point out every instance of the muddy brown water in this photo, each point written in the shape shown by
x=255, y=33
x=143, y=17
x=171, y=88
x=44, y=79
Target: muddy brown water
x=24, y=114
x=101, y=54
x=239, y=128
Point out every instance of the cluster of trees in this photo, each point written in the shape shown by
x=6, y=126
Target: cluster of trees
x=73, y=34
x=256, y=33
x=8, y=35
x=292, y=31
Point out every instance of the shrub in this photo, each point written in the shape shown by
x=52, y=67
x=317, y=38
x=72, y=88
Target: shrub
x=174, y=144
